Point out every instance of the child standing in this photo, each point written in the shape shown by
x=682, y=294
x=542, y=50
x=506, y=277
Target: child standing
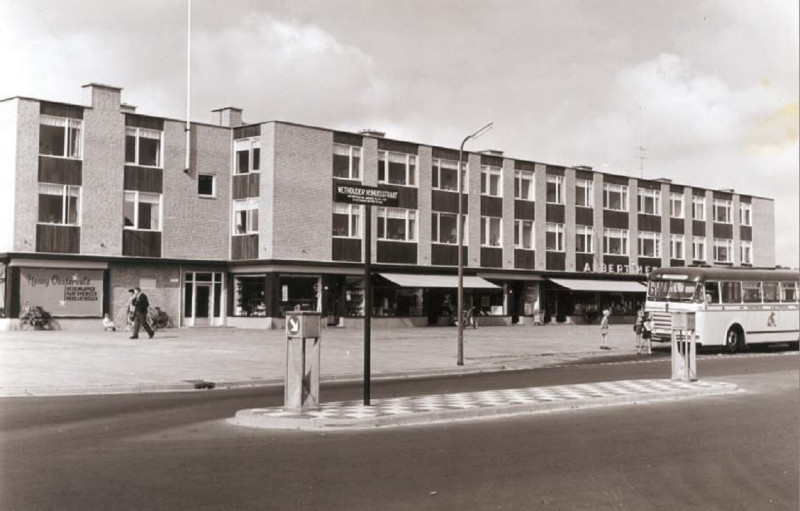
x=604, y=330
x=637, y=328
x=647, y=333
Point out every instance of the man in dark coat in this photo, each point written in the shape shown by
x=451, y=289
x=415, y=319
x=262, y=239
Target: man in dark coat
x=141, y=304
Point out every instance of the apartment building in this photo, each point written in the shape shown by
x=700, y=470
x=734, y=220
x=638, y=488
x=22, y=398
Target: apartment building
x=99, y=198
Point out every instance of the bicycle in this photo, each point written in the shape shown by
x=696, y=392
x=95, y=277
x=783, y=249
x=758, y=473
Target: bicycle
x=36, y=317
x=157, y=318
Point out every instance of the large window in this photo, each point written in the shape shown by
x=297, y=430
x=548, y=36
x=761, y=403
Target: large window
x=554, y=237
x=788, y=291
x=444, y=175
x=555, y=190
x=584, y=239
x=249, y=295
x=698, y=248
x=745, y=213
x=677, y=249
x=444, y=228
x=397, y=168
x=248, y=155
x=584, y=193
x=143, y=147
x=723, y=250
x=650, y=244
x=676, y=205
x=770, y=292
x=206, y=185
x=245, y=216
x=59, y=204
x=142, y=211
x=722, y=211
x=347, y=162
x=731, y=292
x=491, y=231
x=698, y=207
x=649, y=201
x=751, y=292
x=397, y=224
x=59, y=136
x=491, y=177
x=523, y=234
x=615, y=197
x=346, y=220
x=615, y=241
x=523, y=185
x=746, y=252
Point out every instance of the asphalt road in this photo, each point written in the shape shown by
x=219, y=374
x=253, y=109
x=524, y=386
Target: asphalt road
x=175, y=451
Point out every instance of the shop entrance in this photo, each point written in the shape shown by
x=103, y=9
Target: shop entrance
x=202, y=299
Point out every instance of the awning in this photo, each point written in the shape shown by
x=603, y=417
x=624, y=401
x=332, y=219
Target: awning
x=446, y=281
x=620, y=286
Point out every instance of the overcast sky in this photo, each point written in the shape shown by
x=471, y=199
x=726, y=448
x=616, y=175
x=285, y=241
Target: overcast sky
x=709, y=88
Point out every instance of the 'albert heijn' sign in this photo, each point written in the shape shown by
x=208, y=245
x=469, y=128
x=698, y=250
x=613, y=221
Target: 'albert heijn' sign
x=369, y=195
x=618, y=268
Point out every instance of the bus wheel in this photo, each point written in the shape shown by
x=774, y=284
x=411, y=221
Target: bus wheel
x=734, y=340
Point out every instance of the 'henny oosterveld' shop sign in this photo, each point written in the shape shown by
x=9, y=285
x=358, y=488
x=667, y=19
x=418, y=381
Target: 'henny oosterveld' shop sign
x=63, y=292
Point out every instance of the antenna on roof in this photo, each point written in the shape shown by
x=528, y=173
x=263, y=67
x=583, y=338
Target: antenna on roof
x=186, y=168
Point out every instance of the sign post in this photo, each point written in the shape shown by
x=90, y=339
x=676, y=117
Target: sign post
x=367, y=196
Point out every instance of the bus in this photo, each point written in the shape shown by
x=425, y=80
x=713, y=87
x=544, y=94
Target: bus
x=733, y=307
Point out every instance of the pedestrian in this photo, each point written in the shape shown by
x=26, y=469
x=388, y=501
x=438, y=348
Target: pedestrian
x=637, y=328
x=142, y=305
x=130, y=314
x=647, y=333
x=604, y=330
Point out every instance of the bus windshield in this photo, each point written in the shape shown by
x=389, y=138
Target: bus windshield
x=672, y=291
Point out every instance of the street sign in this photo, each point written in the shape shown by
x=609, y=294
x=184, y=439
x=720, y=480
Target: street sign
x=293, y=325
x=370, y=195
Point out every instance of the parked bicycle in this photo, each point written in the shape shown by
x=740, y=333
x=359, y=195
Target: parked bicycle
x=157, y=318
x=36, y=317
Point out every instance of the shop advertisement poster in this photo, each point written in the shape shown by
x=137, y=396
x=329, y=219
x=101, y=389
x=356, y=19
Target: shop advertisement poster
x=63, y=292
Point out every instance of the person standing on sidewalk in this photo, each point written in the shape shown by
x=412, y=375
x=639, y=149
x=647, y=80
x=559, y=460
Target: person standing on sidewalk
x=604, y=330
x=637, y=328
x=647, y=333
x=142, y=305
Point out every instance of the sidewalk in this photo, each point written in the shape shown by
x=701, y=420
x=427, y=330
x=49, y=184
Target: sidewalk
x=75, y=362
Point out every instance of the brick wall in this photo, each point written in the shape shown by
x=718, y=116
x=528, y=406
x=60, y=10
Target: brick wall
x=763, y=232
x=166, y=294
x=8, y=157
x=26, y=186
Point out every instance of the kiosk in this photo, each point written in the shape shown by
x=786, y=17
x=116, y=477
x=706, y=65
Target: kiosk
x=301, y=389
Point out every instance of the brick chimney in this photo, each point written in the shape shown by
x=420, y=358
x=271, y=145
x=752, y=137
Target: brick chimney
x=102, y=97
x=230, y=116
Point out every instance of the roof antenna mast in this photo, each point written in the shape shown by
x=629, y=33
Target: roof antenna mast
x=186, y=167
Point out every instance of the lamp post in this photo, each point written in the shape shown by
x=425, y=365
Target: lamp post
x=459, y=229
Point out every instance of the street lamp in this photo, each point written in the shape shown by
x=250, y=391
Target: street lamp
x=460, y=227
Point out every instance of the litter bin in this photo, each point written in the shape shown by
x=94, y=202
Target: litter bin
x=301, y=388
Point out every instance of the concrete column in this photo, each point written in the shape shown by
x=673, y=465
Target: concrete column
x=737, y=234
x=424, y=169
x=508, y=214
x=688, y=227
x=599, y=225
x=540, y=196
x=666, y=198
x=474, y=210
x=633, y=223
x=569, y=218
x=369, y=155
x=710, y=227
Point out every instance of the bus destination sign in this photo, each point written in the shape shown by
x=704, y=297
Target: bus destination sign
x=369, y=195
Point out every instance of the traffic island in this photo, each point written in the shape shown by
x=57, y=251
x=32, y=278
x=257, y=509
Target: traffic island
x=403, y=411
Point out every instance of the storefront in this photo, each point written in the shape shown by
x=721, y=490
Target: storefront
x=583, y=300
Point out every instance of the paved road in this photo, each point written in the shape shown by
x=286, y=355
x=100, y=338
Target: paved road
x=175, y=451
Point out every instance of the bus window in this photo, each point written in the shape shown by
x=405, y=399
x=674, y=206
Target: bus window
x=712, y=292
x=770, y=291
x=666, y=291
x=731, y=292
x=788, y=291
x=751, y=292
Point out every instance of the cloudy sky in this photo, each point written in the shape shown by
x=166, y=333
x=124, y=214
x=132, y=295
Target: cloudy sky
x=709, y=88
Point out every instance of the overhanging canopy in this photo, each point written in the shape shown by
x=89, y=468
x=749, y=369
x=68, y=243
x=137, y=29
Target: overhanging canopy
x=620, y=286
x=445, y=281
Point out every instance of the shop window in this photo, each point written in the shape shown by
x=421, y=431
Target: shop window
x=555, y=189
x=397, y=168
x=584, y=240
x=491, y=231
x=615, y=197
x=584, y=193
x=615, y=242
x=650, y=244
x=698, y=208
x=59, y=204
x=649, y=201
x=722, y=211
x=444, y=228
x=523, y=234
x=206, y=185
x=723, y=251
x=491, y=177
x=142, y=211
x=249, y=295
x=554, y=237
x=60, y=136
x=245, y=216
x=143, y=147
x=402, y=302
x=297, y=292
x=248, y=155
x=397, y=224
x=698, y=248
x=346, y=220
x=523, y=185
x=347, y=162
x=444, y=175
x=676, y=205
x=745, y=213
x=676, y=246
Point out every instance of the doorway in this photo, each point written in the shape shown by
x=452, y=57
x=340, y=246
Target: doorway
x=202, y=299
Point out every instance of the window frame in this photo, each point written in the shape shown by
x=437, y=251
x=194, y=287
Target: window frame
x=436, y=175
x=746, y=207
x=213, y=194
x=746, y=247
x=699, y=206
x=587, y=192
x=612, y=233
x=699, y=242
x=558, y=181
x=137, y=137
x=69, y=126
x=352, y=211
x=673, y=199
x=411, y=160
x=559, y=230
x=645, y=236
x=65, y=189
x=623, y=190
x=486, y=223
x=673, y=253
x=487, y=171
x=588, y=233
x=410, y=215
x=253, y=206
x=524, y=175
x=351, y=154
x=253, y=144
x=136, y=203
x=519, y=234
x=727, y=207
x=645, y=194
x=436, y=227
x=728, y=246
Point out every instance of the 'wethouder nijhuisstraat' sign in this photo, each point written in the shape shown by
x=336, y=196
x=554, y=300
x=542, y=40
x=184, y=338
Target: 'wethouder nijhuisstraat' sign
x=370, y=195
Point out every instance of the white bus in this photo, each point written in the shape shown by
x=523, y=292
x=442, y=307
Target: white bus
x=733, y=306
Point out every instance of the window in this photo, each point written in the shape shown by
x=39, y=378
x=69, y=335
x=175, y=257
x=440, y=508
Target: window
x=649, y=201
x=676, y=205
x=397, y=168
x=397, y=224
x=555, y=189
x=248, y=155
x=731, y=292
x=751, y=292
x=249, y=291
x=347, y=162
x=676, y=246
x=615, y=197
x=723, y=251
x=346, y=220
x=143, y=147
x=698, y=207
x=650, y=244
x=770, y=292
x=584, y=240
x=615, y=242
x=584, y=193
x=746, y=252
x=745, y=213
x=444, y=228
x=60, y=136
x=698, y=248
x=523, y=234
x=142, y=211
x=206, y=185
x=491, y=231
x=554, y=237
x=245, y=216
x=59, y=204
x=788, y=291
x=491, y=178
x=523, y=185
x=444, y=175
x=722, y=211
